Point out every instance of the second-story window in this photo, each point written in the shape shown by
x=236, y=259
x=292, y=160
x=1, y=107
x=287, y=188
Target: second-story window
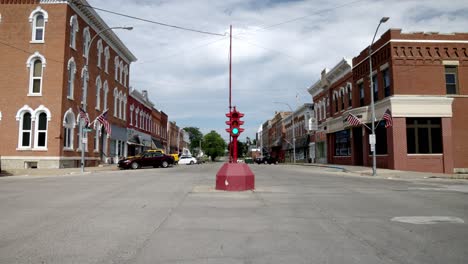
x=451, y=79
x=386, y=79
x=71, y=77
x=98, y=93
x=105, y=92
x=375, y=87
x=361, y=94
x=342, y=99
x=84, y=87
x=350, y=95
x=35, y=63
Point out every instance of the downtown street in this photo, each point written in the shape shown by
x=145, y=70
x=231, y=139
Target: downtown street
x=297, y=214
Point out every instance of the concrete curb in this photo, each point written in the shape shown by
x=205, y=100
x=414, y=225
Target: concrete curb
x=388, y=173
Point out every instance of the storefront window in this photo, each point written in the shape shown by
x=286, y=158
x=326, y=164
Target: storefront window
x=342, y=143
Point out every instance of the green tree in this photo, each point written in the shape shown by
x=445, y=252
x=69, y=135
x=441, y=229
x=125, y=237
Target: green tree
x=195, y=137
x=213, y=145
x=242, y=148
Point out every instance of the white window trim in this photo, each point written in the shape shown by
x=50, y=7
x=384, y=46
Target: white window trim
x=137, y=111
x=106, y=92
x=86, y=40
x=100, y=50
x=98, y=92
x=124, y=108
x=116, y=68
x=97, y=134
x=106, y=59
x=32, y=20
x=125, y=76
x=72, y=85
x=116, y=97
x=120, y=105
x=36, y=131
x=19, y=117
x=121, y=68
x=74, y=28
x=131, y=114
x=71, y=127
x=30, y=65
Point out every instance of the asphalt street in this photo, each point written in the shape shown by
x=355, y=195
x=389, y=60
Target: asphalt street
x=297, y=214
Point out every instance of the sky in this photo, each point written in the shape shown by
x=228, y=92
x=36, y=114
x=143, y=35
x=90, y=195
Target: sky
x=279, y=48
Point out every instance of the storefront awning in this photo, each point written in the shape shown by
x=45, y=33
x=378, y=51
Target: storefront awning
x=157, y=143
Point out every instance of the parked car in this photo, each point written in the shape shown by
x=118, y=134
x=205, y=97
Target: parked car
x=154, y=159
x=266, y=160
x=187, y=160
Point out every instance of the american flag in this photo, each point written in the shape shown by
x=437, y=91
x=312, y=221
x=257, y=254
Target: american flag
x=353, y=120
x=84, y=116
x=102, y=118
x=388, y=118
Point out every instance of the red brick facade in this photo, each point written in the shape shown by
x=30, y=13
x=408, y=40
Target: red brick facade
x=40, y=34
x=410, y=71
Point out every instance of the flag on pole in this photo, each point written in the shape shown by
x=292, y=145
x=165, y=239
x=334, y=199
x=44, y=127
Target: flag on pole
x=388, y=118
x=84, y=116
x=102, y=118
x=353, y=120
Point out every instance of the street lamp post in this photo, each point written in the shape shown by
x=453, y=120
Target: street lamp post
x=372, y=139
x=293, y=133
x=83, y=144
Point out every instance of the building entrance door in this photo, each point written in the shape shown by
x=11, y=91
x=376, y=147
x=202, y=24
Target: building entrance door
x=357, y=151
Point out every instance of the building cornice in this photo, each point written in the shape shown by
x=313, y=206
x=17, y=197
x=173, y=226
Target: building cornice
x=97, y=24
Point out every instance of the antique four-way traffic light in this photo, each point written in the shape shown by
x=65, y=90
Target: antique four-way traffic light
x=234, y=129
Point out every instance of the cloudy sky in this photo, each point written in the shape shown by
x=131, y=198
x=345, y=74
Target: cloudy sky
x=279, y=49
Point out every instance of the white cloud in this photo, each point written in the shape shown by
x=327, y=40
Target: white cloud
x=186, y=73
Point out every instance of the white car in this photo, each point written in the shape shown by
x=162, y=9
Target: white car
x=188, y=160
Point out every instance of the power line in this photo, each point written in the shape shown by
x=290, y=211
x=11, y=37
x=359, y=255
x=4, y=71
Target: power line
x=302, y=17
x=26, y=51
x=151, y=21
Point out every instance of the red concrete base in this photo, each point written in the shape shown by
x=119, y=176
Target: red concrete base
x=235, y=177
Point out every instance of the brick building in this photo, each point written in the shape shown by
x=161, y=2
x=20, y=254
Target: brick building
x=301, y=140
x=140, y=122
x=422, y=78
x=45, y=80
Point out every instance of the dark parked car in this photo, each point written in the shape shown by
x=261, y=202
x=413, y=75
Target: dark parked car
x=266, y=160
x=154, y=159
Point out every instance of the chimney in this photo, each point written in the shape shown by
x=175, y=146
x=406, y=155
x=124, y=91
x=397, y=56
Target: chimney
x=145, y=94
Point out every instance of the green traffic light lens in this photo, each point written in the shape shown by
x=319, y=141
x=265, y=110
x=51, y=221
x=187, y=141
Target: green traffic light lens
x=235, y=131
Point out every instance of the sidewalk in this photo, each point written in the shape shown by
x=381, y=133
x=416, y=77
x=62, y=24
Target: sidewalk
x=385, y=173
x=58, y=172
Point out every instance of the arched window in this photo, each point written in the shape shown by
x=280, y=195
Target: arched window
x=116, y=97
x=137, y=111
x=35, y=63
x=68, y=129
x=25, y=130
x=84, y=86
x=105, y=91
x=38, y=18
x=106, y=59
x=116, y=68
x=41, y=131
x=98, y=92
x=125, y=76
x=350, y=94
x=120, y=105
x=131, y=113
x=74, y=28
x=100, y=50
x=121, y=68
x=71, y=77
x=141, y=120
x=125, y=107
x=86, y=40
